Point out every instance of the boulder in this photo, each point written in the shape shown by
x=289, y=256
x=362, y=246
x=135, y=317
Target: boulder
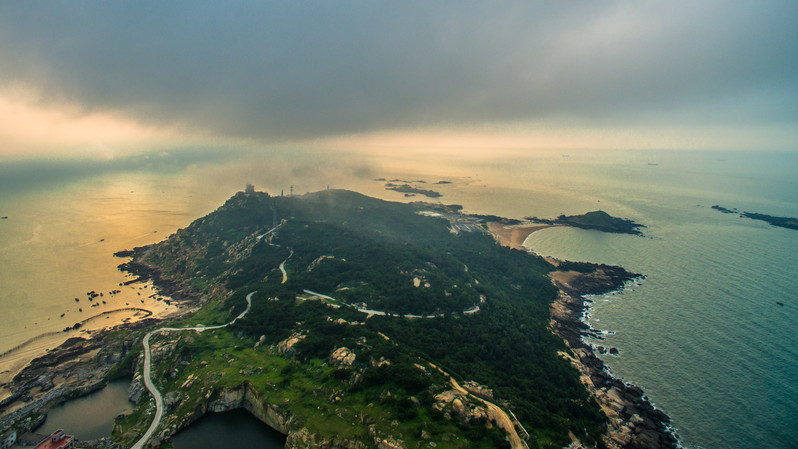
x=287, y=346
x=342, y=356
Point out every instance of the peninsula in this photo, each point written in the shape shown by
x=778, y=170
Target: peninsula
x=351, y=322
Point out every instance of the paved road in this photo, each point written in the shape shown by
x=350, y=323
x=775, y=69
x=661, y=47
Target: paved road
x=472, y=310
x=282, y=267
x=148, y=357
x=498, y=415
x=148, y=362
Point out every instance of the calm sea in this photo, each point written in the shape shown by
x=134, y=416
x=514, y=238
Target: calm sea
x=704, y=334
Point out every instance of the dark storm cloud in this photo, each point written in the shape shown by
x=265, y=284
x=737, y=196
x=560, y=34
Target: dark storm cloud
x=282, y=70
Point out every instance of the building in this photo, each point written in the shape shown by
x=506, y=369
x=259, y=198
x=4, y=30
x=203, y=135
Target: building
x=250, y=189
x=8, y=439
x=57, y=440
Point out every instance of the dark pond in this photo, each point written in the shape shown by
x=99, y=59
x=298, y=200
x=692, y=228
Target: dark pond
x=236, y=428
x=90, y=417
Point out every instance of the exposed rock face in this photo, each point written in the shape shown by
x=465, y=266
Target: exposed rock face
x=135, y=389
x=458, y=403
x=343, y=322
x=478, y=390
x=260, y=341
x=167, y=285
x=246, y=397
x=342, y=357
x=381, y=362
x=286, y=346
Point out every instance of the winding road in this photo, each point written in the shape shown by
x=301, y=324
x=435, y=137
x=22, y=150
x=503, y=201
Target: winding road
x=148, y=363
x=148, y=355
x=470, y=311
x=159, y=406
x=282, y=267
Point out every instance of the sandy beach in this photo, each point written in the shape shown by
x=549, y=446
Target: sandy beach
x=515, y=235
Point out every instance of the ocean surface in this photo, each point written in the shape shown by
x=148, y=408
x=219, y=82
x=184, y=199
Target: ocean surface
x=703, y=334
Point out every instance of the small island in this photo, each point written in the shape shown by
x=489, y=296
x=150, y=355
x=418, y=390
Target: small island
x=410, y=190
x=596, y=220
x=782, y=222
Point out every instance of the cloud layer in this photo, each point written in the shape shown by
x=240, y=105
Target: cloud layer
x=300, y=70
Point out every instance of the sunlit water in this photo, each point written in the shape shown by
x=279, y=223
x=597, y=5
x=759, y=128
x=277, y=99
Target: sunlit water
x=703, y=334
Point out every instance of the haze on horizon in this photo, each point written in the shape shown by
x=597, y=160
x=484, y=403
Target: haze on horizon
x=111, y=79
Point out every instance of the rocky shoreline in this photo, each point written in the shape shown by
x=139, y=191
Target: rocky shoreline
x=634, y=423
x=144, y=272
x=76, y=368
x=80, y=366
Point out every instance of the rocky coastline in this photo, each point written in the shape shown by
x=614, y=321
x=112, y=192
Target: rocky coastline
x=80, y=366
x=86, y=363
x=634, y=423
x=144, y=272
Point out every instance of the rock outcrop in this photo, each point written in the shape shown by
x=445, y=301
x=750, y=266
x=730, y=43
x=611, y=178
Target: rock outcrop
x=286, y=346
x=342, y=357
x=135, y=389
x=456, y=402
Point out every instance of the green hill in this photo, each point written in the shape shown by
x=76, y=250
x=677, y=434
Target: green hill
x=491, y=325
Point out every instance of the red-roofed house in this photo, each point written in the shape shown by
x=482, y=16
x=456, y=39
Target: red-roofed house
x=57, y=440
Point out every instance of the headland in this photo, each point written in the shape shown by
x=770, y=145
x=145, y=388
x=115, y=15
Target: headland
x=498, y=377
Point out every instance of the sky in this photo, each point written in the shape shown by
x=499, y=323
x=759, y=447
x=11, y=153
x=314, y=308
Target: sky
x=110, y=79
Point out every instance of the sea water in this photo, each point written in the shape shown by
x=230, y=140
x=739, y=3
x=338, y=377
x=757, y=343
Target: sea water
x=704, y=334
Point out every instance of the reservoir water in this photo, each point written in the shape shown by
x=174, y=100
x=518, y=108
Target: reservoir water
x=236, y=428
x=90, y=417
x=703, y=335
